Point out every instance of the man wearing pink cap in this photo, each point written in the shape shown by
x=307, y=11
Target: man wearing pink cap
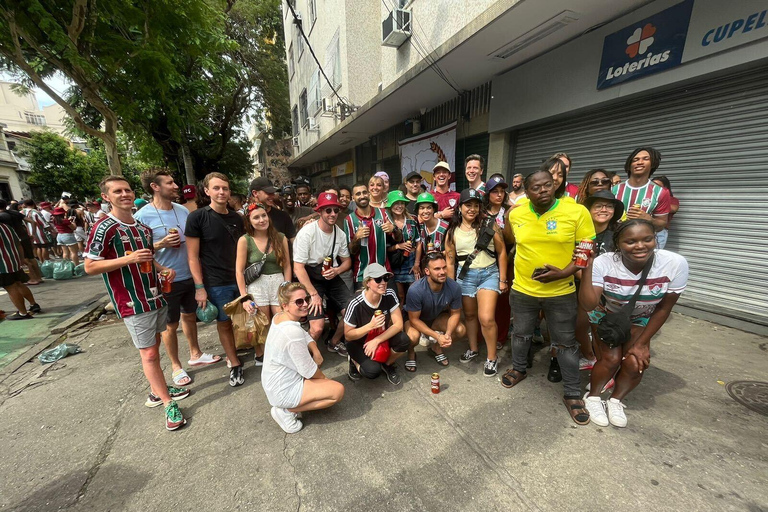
x=317, y=249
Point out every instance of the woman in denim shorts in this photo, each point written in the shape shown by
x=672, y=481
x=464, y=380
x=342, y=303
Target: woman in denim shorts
x=405, y=273
x=485, y=279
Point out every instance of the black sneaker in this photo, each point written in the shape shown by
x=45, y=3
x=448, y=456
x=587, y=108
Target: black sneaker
x=340, y=348
x=236, y=376
x=468, y=356
x=353, y=372
x=35, y=308
x=491, y=367
x=391, y=371
x=554, y=374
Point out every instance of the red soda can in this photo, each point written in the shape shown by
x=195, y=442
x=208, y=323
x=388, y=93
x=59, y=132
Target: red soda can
x=174, y=231
x=165, y=281
x=435, y=383
x=327, y=262
x=585, y=248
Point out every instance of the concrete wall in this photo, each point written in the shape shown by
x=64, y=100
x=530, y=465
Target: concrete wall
x=565, y=79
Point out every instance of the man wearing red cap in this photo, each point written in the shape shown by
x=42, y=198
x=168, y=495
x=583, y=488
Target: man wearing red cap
x=189, y=193
x=315, y=251
x=447, y=199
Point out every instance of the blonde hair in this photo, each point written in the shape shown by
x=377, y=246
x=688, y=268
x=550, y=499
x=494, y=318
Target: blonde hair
x=285, y=291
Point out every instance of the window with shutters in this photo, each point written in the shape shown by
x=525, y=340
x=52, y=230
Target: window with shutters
x=303, y=108
x=315, y=94
x=333, y=63
x=295, y=119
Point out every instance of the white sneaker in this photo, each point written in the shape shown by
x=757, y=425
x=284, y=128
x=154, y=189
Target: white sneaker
x=424, y=340
x=287, y=420
x=596, y=410
x=616, y=412
x=586, y=364
x=607, y=386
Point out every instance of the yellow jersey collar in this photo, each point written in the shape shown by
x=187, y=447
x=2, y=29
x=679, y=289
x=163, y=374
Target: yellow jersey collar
x=554, y=205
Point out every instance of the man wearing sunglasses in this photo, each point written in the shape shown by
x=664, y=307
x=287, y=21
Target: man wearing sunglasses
x=374, y=341
x=433, y=305
x=315, y=242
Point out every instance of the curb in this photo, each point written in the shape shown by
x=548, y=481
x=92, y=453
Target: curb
x=58, y=335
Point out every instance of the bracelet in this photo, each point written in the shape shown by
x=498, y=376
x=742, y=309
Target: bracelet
x=504, y=281
x=199, y=286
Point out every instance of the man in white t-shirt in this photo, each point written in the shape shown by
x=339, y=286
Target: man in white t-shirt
x=315, y=242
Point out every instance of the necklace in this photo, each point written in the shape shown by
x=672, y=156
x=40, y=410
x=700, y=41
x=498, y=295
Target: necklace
x=161, y=218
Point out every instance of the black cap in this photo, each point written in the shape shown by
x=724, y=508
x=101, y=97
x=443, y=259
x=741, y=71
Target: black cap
x=413, y=174
x=262, y=183
x=301, y=180
x=606, y=195
x=469, y=194
x=287, y=189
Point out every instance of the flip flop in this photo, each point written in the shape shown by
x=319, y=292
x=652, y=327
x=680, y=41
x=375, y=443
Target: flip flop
x=410, y=365
x=204, y=359
x=180, y=378
x=441, y=359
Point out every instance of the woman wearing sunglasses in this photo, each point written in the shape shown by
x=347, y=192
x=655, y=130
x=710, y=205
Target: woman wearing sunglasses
x=594, y=181
x=291, y=377
x=404, y=267
x=261, y=237
x=485, y=279
x=375, y=341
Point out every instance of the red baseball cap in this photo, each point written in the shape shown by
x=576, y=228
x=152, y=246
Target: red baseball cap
x=189, y=191
x=44, y=204
x=327, y=199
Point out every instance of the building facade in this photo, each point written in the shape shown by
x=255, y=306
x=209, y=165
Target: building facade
x=522, y=80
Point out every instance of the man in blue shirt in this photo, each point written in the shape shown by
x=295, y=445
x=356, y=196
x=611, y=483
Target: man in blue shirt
x=433, y=304
x=167, y=220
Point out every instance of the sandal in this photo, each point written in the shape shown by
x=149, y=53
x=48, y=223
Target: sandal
x=181, y=378
x=577, y=410
x=512, y=378
x=410, y=365
x=204, y=360
x=441, y=359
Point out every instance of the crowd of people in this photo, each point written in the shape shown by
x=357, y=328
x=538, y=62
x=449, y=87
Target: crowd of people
x=371, y=274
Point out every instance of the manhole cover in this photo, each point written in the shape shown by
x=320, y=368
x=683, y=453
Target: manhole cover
x=751, y=394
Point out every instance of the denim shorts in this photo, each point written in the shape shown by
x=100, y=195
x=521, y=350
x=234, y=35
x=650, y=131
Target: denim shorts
x=219, y=296
x=596, y=315
x=66, y=239
x=479, y=279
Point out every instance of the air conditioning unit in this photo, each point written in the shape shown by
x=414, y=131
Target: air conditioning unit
x=295, y=141
x=328, y=105
x=396, y=28
x=312, y=124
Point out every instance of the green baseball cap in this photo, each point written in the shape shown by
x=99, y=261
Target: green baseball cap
x=426, y=197
x=138, y=203
x=395, y=196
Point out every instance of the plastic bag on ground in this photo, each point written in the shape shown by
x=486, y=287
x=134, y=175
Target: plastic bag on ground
x=46, y=269
x=208, y=314
x=63, y=270
x=79, y=270
x=58, y=352
x=249, y=330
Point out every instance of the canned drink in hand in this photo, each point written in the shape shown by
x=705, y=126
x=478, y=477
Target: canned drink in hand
x=585, y=249
x=174, y=231
x=327, y=263
x=165, y=281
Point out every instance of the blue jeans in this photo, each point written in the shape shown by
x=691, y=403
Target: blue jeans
x=221, y=295
x=661, y=238
x=560, y=313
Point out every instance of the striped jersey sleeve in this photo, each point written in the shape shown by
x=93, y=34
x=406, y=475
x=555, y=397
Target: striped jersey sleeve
x=10, y=258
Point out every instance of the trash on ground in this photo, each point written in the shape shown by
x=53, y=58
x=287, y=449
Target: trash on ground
x=58, y=352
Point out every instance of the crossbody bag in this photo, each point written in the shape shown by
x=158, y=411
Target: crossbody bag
x=253, y=271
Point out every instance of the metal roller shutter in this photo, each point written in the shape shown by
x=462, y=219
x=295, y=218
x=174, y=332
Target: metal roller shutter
x=713, y=137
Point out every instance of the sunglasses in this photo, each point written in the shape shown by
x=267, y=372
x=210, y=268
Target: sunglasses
x=604, y=181
x=301, y=302
x=384, y=278
x=329, y=211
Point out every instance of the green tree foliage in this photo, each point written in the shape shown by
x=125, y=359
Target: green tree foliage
x=56, y=167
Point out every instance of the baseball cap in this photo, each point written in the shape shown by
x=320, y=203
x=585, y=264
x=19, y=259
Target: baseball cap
x=469, y=194
x=189, y=191
x=413, y=174
x=441, y=165
x=44, y=204
x=375, y=270
x=382, y=175
x=301, y=180
x=66, y=195
x=327, y=199
x=287, y=189
x=496, y=181
x=262, y=183
x=138, y=203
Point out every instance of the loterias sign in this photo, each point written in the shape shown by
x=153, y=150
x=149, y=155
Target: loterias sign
x=646, y=47
x=690, y=30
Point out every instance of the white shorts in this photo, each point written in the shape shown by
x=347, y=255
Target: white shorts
x=80, y=235
x=264, y=289
x=144, y=326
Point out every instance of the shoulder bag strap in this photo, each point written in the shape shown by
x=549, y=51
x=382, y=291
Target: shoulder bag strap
x=630, y=306
x=220, y=220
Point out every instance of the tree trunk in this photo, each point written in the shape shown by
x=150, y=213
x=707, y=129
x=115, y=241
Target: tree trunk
x=110, y=145
x=188, y=167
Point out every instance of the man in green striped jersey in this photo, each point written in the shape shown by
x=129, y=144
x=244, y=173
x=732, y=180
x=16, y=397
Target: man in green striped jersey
x=117, y=246
x=642, y=198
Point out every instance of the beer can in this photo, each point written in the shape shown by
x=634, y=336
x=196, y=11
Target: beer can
x=165, y=281
x=435, y=383
x=585, y=248
x=327, y=263
x=430, y=247
x=146, y=267
x=174, y=231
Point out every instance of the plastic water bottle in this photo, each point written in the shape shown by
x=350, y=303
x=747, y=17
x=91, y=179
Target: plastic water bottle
x=250, y=322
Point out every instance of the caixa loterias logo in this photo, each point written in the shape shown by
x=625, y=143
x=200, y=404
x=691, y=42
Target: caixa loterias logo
x=638, y=44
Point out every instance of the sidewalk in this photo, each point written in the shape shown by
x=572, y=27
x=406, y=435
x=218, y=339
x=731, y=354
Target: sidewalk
x=59, y=301
x=76, y=435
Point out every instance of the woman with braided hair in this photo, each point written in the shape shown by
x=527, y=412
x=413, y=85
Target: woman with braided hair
x=608, y=283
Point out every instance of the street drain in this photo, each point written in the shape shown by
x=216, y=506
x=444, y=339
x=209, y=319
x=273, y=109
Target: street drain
x=751, y=394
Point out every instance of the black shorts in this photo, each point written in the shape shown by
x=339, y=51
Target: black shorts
x=336, y=294
x=181, y=299
x=26, y=245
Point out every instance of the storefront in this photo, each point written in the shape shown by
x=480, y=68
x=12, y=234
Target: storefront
x=704, y=110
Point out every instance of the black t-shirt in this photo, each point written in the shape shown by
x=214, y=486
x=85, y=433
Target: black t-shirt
x=360, y=312
x=411, y=208
x=604, y=242
x=218, y=236
x=299, y=212
x=282, y=222
x=15, y=220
